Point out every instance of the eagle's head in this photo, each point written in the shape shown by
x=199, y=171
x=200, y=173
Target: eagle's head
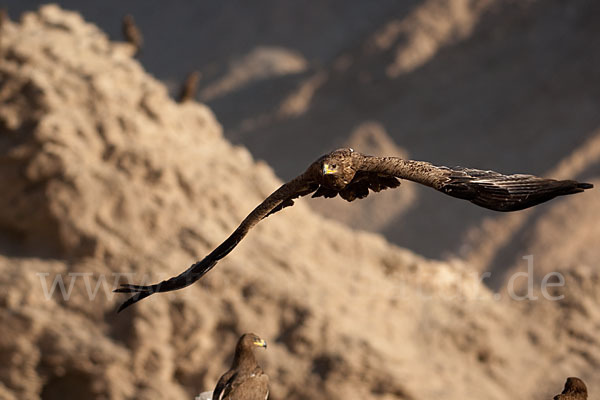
x=337, y=168
x=250, y=340
x=575, y=385
x=244, y=350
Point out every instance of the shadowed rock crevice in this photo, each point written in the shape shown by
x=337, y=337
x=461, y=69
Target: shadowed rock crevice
x=56, y=387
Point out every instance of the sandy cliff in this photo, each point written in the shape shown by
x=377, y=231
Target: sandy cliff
x=105, y=178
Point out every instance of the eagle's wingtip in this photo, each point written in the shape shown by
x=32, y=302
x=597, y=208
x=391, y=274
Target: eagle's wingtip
x=122, y=307
x=584, y=185
x=129, y=288
x=133, y=299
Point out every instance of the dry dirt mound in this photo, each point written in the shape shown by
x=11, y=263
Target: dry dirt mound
x=104, y=176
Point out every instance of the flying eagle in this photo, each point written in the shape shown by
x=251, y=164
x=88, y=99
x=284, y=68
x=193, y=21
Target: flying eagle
x=351, y=175
x=245, y=379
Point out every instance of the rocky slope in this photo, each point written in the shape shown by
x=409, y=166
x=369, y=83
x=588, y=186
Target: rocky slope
x=106, y=179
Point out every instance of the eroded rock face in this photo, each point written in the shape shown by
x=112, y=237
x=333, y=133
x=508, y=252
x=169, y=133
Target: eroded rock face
x=106, y=179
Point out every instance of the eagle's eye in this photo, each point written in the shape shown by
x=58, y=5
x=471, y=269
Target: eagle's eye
x=334, y=166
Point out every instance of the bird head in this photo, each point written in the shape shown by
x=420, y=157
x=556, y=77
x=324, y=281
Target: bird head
x=575, y=385
x=244, y=350
x=337, y=168
x=250, y=340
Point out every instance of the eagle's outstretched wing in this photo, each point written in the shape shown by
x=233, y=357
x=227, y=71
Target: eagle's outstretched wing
x=488, y=189
x=281, y=198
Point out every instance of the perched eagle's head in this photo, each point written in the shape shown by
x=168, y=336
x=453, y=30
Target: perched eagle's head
x=337, y=168
x=250, y=340
x=244, y=350
x=575, y=385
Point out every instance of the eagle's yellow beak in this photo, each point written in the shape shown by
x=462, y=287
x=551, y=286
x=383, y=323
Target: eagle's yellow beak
x=328, y=170
x=260, y=343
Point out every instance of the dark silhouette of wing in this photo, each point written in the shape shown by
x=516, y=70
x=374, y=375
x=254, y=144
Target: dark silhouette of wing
x=281, y=198
x=360, y=185
x=224, y=385
x=487, y=189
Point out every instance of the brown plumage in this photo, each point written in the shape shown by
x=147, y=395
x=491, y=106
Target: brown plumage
x=574, y=389
x=352, y=175
x=189, y=87
x=245, y=380
x=132, y=33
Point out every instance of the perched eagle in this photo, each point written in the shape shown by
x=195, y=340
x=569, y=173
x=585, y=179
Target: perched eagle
x=574, y=390
x=351, y=175
x=245, y=379
x=132, y=33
